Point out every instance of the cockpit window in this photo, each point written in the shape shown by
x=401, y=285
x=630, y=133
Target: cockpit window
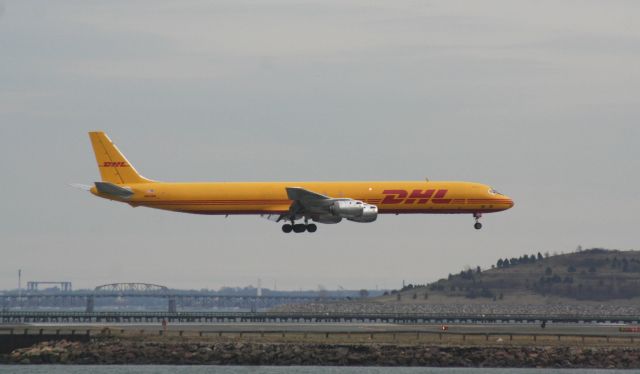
x=494, y=192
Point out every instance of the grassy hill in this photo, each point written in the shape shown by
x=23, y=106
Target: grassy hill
x=589, y=275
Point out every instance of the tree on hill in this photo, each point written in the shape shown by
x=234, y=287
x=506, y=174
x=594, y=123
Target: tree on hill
x=485, y=292
x=568, y=279
x=576, y=275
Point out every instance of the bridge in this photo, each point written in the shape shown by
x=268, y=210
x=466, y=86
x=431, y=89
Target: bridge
x=64, y=286
x=131, y=287
x=15, y=317
x=87, y=298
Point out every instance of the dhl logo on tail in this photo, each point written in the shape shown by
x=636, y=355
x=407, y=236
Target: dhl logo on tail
x=114, y=164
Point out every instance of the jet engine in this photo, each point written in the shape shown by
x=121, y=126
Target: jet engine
x=369, y=214
x=347, y=208
x=354, y=210
x=326, y=218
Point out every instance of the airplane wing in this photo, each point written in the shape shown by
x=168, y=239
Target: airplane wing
x=297, y=193
x=303, y=201
x=326, y=209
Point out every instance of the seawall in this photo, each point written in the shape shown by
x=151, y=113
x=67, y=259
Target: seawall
x=110, y=351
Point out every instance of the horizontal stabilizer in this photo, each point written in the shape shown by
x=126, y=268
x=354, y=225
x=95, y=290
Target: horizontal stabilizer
x=80, y=186
x=112, y=189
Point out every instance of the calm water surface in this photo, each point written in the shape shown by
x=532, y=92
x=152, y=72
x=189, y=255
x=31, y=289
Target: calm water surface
x=155, y=369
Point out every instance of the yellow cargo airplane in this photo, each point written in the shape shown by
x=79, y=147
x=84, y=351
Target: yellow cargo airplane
x=288, y=202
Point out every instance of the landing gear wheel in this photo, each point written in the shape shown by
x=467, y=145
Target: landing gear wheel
x=311, y=227
x=477, y=217
x=299, y=227
x=286, y=228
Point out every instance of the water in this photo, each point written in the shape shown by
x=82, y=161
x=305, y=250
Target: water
x=158, y=369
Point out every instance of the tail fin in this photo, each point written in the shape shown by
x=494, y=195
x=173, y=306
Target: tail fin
x=114, y=167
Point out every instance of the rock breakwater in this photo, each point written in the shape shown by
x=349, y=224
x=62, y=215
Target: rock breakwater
x=122, y=351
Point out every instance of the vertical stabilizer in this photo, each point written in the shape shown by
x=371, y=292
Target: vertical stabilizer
x=114, y=167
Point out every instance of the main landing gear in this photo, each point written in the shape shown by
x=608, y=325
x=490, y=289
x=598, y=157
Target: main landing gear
x=477, y=217
x=299, y=227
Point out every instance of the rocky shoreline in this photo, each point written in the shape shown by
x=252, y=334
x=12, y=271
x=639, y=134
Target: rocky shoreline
x=110, y=351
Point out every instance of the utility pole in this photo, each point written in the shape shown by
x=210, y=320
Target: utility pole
x=20, y=287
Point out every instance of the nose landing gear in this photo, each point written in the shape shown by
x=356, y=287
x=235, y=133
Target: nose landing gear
x=477, y=217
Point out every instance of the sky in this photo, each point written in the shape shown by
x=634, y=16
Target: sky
x=539, y=99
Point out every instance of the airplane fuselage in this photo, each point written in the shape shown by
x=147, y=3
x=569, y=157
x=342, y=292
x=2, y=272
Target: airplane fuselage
x=322, y=202
x=398, y=197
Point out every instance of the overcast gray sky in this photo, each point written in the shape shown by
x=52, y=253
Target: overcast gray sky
x=540, y=99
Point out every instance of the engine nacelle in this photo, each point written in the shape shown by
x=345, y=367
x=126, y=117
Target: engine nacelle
x=326, y=218
x=369, y=214
x=347, y=208
x=354, y=210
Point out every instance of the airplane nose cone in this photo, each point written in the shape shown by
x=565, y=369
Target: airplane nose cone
x=510, y=203
x=505, y=202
